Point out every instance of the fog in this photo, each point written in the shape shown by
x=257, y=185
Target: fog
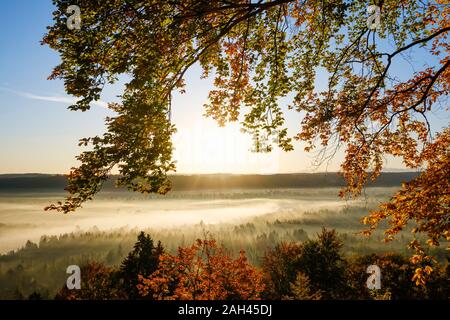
x=23, y=218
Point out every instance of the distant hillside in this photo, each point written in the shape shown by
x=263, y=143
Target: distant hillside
x=55, y=183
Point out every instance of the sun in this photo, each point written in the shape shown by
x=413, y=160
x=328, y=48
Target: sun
x=204, y=147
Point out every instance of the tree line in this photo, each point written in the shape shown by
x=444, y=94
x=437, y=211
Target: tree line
x=312, y=270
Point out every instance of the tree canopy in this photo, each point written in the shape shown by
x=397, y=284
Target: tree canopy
x=142, y=260
x=258, y=53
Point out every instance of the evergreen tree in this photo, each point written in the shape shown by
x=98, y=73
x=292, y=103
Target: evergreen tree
x=142, y=260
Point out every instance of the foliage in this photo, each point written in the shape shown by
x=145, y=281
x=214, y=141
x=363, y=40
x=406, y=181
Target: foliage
x=301, y=289
x=99, y=282
x=396, y=275
x=423, y=200
x=203, y=271
x=322, y=262
x=96, y=284
x=260, y=52
x=280, y=266
x=316, y=264
x=142, y=260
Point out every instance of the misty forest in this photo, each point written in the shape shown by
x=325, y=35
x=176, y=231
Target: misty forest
x=348, y=101
x=272, y=225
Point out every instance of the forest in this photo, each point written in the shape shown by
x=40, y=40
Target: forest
x=278, y=242
x=299, y=267
x=267, y=242
x=363, y=79
x=361, y=86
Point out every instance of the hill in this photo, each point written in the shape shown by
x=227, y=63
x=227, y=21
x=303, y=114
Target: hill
x=56, y=183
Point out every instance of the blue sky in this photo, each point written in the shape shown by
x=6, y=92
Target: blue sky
x=39, y=134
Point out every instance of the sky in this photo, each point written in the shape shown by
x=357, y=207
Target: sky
x=39, y=135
